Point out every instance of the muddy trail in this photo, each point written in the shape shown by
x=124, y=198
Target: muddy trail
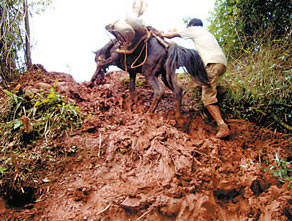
x=130, y=165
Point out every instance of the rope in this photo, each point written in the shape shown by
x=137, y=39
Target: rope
x=145, y=38
x=145, y=46
x=125, y=62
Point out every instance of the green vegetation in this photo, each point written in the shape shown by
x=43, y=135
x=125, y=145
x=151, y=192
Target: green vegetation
x=256, y=37
x=242, y=26
x=282, y=170
x=260, y=88
x=14, y=34
x=25, y=151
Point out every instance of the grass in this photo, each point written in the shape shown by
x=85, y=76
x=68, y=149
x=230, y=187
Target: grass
x=24, y=152
x=259, y=86
x=281, y=169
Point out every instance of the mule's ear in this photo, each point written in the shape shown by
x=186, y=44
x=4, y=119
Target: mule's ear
x=94, y=52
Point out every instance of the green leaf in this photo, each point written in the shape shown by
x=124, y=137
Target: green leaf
x=55, y=83
x=15, y=98
x=3, y=170
x=8, y=92
x=17, y=124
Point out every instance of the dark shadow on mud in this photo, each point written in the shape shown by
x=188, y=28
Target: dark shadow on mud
x=20, y=200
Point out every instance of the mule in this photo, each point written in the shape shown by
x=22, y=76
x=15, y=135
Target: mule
x=152, y=60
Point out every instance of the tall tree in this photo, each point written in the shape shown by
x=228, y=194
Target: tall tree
x=10, y=40
x=15, y=34
x=27, y=35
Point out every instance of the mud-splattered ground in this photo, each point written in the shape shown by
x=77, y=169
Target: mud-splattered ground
x=135, y=166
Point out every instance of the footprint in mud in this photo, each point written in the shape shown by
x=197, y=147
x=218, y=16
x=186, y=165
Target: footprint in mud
x=81, y=194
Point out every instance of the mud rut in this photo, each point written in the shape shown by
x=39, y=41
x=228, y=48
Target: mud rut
x=135, y=166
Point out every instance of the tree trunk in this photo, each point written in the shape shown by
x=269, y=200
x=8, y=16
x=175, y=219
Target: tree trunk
x=27, y=35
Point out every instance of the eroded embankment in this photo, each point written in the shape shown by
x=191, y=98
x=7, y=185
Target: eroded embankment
x=135, y=166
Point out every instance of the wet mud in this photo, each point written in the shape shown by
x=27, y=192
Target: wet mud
x=132, y=165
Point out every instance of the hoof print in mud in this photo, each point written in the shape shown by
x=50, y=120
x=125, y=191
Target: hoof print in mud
x=226, y=195
x=81, y=194
x=256, y=187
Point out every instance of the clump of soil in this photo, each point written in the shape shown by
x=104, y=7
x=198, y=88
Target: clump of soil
x=130, y=165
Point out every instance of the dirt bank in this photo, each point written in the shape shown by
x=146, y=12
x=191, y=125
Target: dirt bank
x=135, y=166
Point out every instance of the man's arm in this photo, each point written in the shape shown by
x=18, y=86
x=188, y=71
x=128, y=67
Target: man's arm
x=170, y=35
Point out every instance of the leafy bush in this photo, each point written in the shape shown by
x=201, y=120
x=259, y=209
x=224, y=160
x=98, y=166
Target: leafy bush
x=260, y=87
x=22, y=152
x=256, y=37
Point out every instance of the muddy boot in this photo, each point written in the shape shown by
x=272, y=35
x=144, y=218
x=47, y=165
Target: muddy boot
x=223, y=131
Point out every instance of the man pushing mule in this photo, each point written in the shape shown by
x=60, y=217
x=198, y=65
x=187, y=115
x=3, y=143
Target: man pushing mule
x=130, y=31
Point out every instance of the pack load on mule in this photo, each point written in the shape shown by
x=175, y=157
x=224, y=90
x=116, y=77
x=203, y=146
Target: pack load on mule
x=140, y=49
x=130, y=29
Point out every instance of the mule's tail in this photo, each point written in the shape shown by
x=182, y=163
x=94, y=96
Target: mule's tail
x=179, y=56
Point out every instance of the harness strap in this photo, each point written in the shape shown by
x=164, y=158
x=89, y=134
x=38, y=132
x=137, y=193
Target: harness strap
x=161, y=40
x=130, y=51
x=145, y=46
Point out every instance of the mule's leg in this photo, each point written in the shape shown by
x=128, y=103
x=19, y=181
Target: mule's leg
x=178, y=96
x=177, y=90
x=132, y=86
x=157, y=89
x=151, y=69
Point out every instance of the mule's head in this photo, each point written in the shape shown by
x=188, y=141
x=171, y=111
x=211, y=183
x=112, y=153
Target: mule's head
x=98, y=76
x=103, y=59
x=100, y=58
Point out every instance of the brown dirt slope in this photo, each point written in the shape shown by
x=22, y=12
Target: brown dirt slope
x=135, y=166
